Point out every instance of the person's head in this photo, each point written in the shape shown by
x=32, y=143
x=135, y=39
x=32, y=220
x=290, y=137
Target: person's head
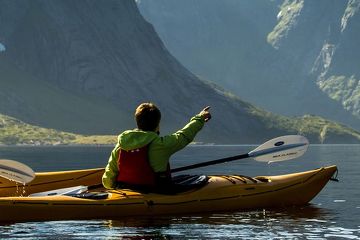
x=147, y=117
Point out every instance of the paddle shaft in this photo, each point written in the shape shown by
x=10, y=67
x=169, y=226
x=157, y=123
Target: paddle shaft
x=279, y=148
x=213, y=162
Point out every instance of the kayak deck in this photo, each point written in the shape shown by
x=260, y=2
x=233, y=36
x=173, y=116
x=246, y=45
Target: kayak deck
x=222, y=193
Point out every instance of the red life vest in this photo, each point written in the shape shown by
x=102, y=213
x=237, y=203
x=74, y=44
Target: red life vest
x=134, y=167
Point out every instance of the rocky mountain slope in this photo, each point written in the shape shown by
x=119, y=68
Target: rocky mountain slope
x=83, y=66
x=15, y=132
x=290, y=56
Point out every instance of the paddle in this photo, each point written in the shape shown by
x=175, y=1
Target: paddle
x=275, y=150
x=16, y=171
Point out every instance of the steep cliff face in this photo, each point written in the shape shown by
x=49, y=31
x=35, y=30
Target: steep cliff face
x=39, y=102
x=324, y=44
x=217, y=40
x=271, y=52
x=87, y=46
x=338, y=61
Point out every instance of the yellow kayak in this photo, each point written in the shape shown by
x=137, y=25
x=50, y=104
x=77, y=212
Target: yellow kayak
x=221, y=193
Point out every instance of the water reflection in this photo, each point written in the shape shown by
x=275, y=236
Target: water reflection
x=288, y=223
x=309, y=212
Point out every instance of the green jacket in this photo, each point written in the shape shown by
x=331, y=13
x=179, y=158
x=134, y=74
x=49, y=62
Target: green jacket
x=160, y=148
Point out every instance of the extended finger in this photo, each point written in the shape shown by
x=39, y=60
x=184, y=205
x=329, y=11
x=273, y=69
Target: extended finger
x=207, y=108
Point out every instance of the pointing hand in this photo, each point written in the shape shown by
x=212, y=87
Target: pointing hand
x=205, y=114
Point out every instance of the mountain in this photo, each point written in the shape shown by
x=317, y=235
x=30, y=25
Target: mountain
x=291, y=57
x=83, y=66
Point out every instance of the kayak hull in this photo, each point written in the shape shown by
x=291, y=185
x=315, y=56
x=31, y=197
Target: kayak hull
x=222, y=193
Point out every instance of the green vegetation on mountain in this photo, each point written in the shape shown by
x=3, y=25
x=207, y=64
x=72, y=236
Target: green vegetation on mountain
x=351, y=9
x=345, y=90
x=13, y=131
x=289, y=11
x=315, y=128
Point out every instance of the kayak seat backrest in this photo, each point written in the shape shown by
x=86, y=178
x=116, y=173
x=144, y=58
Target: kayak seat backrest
x=184, y=183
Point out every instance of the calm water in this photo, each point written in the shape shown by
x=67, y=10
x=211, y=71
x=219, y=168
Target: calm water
x=333, y=214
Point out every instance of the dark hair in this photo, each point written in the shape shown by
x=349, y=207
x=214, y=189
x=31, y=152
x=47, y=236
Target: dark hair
x=147, y=117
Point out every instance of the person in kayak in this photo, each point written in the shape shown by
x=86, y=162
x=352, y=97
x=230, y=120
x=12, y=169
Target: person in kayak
x=140, y=159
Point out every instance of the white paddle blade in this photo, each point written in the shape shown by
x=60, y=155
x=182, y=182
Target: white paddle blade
x=16, y=171
x=280, y=149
